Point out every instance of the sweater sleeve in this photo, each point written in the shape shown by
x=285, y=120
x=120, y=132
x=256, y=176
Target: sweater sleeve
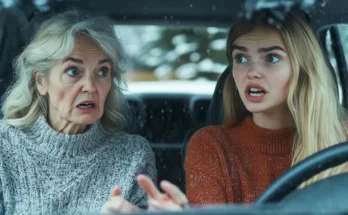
x=204, y=174
x=146, y=165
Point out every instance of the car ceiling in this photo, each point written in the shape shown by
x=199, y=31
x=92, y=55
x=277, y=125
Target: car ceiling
x=195, y=12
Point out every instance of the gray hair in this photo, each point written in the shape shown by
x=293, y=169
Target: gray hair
x=55, y=40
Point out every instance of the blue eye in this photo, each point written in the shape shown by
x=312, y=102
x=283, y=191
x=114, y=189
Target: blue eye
x=103, y=71
x=72, y=71
x=241, y=59
x=272, y=59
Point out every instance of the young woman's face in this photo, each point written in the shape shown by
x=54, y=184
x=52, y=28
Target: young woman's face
x=262, y=70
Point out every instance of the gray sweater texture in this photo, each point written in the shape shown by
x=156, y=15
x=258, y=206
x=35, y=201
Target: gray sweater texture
x=43, y=171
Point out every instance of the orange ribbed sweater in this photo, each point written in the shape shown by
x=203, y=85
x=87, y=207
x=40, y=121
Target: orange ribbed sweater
x=235, y=165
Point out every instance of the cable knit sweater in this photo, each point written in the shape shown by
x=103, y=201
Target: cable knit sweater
x=46, y=172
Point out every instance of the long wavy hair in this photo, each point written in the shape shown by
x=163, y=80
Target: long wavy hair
x=55, y=39
x=320, y=120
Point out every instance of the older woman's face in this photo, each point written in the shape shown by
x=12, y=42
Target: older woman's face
x=77, y=86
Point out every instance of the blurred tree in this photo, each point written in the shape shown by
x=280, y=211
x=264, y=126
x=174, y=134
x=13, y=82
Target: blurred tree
x=183, y=53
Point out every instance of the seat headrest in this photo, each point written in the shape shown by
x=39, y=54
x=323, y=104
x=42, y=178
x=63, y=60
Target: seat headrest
x=215, y=114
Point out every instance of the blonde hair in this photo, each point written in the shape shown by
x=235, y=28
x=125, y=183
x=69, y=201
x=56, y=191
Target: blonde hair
x=54, y=40
x=312, y=99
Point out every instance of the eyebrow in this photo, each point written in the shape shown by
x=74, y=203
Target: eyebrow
x=106, y=60
x=268, y=49
x=75, y=60
x=79, y=61
x=260, y=50
x=240, y=48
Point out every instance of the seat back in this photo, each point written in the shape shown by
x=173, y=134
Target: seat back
x=214, y=115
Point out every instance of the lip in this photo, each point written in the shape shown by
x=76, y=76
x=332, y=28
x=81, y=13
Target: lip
x=254, y=99
x=87, y=101
x=254, y=86
x=86, y=110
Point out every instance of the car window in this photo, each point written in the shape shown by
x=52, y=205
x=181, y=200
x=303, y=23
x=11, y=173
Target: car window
x=333, y=61
x=173, y=55
x=343, y=31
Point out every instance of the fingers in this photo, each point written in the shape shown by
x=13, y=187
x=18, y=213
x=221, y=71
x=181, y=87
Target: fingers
x=173, y=199
x=147, y=184
x=174, y=193
x=115, y=204
x=116, y=191
x=118, y=204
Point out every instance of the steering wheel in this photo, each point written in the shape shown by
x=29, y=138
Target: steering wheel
x=333, y=189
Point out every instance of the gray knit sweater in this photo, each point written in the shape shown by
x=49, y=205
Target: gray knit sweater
x=46, y=172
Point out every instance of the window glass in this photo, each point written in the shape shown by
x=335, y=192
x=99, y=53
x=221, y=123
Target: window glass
x=343, y=31
x=333, y=61
x=174, y=55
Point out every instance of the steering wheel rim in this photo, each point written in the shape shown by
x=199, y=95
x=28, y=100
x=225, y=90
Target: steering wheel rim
x=304, y=170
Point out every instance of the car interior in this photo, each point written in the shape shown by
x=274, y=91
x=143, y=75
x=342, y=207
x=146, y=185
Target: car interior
x=167, y=118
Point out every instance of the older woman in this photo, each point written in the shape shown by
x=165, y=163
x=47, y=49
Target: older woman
x=62, y=148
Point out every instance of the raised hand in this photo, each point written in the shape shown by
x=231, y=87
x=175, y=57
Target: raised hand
x=173, y=199
x=117, y=204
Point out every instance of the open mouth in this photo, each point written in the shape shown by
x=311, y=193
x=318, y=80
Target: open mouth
x=86, y=105
x=254, y=91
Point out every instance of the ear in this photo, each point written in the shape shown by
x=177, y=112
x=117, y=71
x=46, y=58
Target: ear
x=41, y=84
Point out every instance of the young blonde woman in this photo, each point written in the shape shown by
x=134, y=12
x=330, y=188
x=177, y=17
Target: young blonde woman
x=280, y=106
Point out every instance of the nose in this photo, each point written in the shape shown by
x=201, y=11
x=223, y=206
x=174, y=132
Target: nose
x=254, y=71
x=89, y=85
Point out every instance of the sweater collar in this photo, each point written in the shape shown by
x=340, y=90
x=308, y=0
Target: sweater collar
x=49, y=141
x=265, y=140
